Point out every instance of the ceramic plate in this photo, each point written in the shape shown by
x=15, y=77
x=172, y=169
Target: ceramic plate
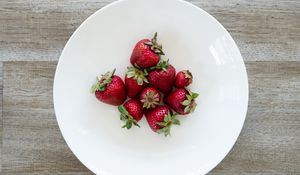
x=192, y=39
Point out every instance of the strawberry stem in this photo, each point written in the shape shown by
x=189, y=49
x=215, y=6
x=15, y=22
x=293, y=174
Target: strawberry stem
x=138, y=75
x=155, y=47
x=163, y=64
x=101, y=84
x=189, y=103
x=127, y=118
x=166, y=125
x=187, y=74
x=150, y=99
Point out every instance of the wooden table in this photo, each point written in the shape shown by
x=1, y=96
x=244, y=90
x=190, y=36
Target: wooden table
x=33, y=33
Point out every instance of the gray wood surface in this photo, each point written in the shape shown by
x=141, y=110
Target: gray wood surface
x=1, y=119
x=33, y=33
x=38, y=30
x=32, y=141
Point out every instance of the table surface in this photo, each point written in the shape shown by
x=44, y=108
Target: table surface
x=33, y=33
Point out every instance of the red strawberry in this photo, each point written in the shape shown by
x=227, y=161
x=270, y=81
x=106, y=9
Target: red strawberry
x=110, y=89
x=183, y=79
x=135, y=81
x=146, y=53
x=160, y=119
x=181, y=101
x=131, y=112
x=150, y=97
x=162, y=77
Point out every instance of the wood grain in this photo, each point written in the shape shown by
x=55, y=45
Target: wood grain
x=269, y=142
x=49, y=173
x=1, y=121
x=266, y=30
x=32, y=141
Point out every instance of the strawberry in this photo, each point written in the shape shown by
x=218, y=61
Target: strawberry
x=150, y=97
x=135, y=81
x=110, y=89
x=146, y=53
x=160, y=119
x=181, y=101
x=162, y=77
x=131, y=112
x=183, y=79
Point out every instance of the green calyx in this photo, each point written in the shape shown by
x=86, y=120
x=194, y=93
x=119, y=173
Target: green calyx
x=138, y=75
x=155, y=47
x=150, y=99
x=187, y=74
x=101, y=84
x=127, y=118
x=162, y=65
x=166, y=125
x=189, y=103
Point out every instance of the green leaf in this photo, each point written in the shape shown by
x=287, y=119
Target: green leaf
x=130, y=74
x=145, y=105
x=176, y=121
x=160, y=131
x=195, y=95
x=140, y=81
x=145, y=72
x=161, y=124
x=187, y=109
x=169, y=117
x=168, y=131
x=189, y=97
x=158, y=51
x=123, y=117
x=135, y=123
x=93, y=89
x=166, y=118
x=126, y=117
x=101, y=87
x=121, y=109
x=186, y=102
x=129, y=125
x=193, y=107
x=113, y=72
x=145, y=80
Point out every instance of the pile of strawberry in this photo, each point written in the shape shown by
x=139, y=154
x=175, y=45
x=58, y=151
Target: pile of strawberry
x=146, y=84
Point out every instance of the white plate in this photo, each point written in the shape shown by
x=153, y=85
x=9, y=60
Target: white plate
x=192, y=39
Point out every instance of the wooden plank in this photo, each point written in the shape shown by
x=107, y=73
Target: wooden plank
x=265, y=30
x=32, y=141
x=1, y=124
x=270, y=140
x=38, y=30
x=50, y=173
